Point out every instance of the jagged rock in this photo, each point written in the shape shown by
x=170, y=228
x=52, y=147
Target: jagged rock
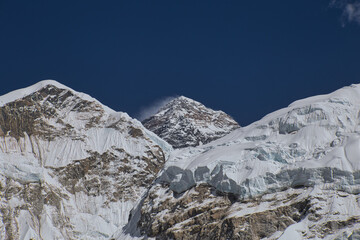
x=201, y=213
x=70, y=168
x=184, y=122
x=310, y=148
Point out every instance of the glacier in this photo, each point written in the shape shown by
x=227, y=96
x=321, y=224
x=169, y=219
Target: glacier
x=309, y=150
x=72, y=168
x=313, y=140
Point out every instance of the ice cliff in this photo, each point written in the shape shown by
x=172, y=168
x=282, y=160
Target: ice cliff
x=308, y=151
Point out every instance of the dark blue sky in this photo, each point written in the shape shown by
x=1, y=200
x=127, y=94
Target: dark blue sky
x=247, y=58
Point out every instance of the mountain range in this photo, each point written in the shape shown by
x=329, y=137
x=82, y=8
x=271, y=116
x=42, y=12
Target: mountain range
x=72, y=168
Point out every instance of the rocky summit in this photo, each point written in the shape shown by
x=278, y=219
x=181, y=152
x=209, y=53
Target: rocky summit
x=184, y=122
x=72, y=168
x=294, y=174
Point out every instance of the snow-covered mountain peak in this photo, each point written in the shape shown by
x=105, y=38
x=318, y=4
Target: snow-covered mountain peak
x=78, y=166
x=184, y=122
x=185, y=99
x=349, y=94
x=179, y=106
x=23, y=92
x=46, y=86
x=298, y=166
x=183, y=105
x=72, y=169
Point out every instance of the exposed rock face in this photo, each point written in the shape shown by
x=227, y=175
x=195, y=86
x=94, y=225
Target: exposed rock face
x=295, y=174
x=201, y=213
x=70, y=168
x=184, y=122
x=30, y=114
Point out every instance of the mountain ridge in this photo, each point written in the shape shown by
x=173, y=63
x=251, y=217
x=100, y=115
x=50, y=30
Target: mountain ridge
x=72, y=168
x=23, y=92
x=298, y=164
x=184, y=122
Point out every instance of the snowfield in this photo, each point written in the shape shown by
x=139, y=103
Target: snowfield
x=72, y=168
x=307, y=137
x=51, y=187
x=313, y=144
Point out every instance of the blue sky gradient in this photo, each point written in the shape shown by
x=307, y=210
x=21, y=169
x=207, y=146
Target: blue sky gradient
x=247, y=58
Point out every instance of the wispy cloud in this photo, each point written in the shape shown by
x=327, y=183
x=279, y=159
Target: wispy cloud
x=153, y=108
x=350, y=9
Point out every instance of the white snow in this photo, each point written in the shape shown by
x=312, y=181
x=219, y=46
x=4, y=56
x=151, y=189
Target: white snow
x=312, y=134
x=30, y=159
x=294, y=232
x=314, y=142
x=23, y=92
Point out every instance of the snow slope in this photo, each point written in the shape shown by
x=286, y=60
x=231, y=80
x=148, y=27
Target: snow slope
x=311, y=134
x=314, y=143
x=70, y=167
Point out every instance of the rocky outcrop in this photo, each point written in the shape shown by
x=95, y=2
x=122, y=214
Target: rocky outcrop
x=116, y=175
x=295, y=174
x=30, y=114
x=184, y=122
x=70, y=168
x=204, y=213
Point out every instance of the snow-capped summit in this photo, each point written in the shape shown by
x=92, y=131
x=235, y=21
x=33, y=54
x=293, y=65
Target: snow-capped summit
x=45, y=84
x=184, y=122
x=294, y=174
x=70, y=167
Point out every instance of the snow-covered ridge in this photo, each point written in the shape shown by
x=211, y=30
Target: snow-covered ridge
x=23, y=92
x=78, y=167
x=348, y=94
x=311, y=146
x=74, y=169
x=316, y=132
